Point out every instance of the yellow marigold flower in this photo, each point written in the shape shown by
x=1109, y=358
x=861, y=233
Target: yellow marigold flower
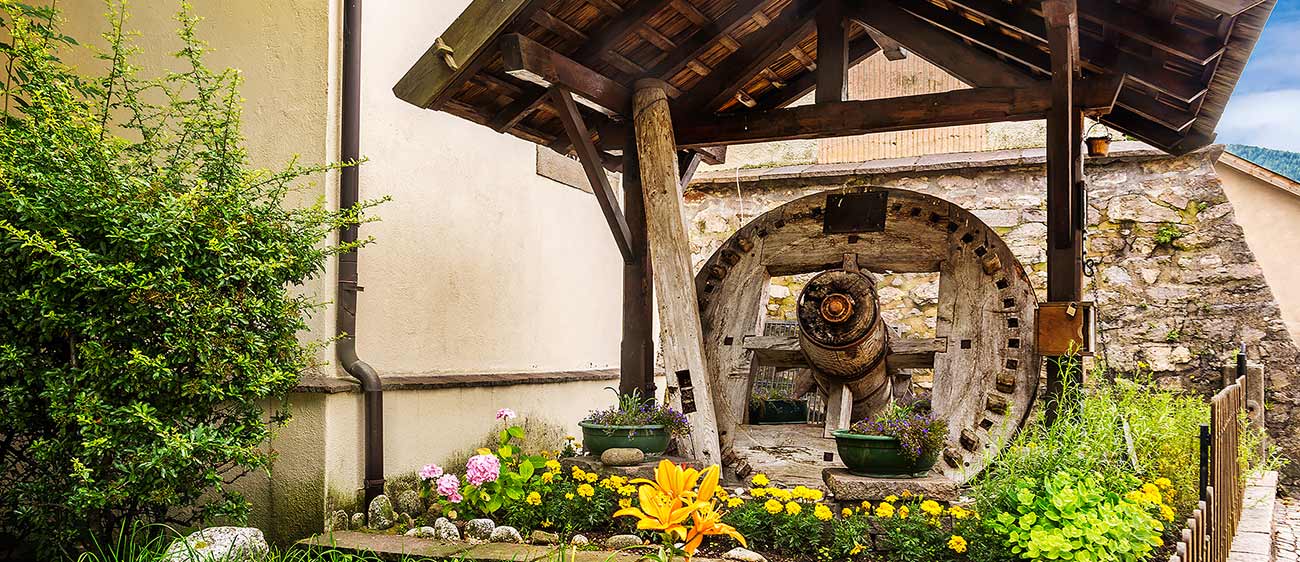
x=857, y=549
x=1163, y=483
x=772, y=506
x=628, y=490
x=822, y=512
x=553, y=465
x=957, y=544
x=569, y=438
x=568, y=496
x=625, y=503
x=866, y=505
x=846, y=512
x=958, y=512
x=760, y=479
x=885, y=510
x=722, y=494
x=1150, y=489
x=780, y=494
x=931, y=507
x=534, y=498
x=735, y=502
x=793, y=508
x=902, y=512
x=592, y=477
x=547, y=523
x=891, y=498
x=906, y=494
x=547, y=477
x=1135, y=496
x=758, y=492
x=1166, y=513
x=586, y=491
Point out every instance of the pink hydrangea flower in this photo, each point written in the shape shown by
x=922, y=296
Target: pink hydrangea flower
x=482, y=468
x=505, y=414
x=430, y=472
x=449, y=487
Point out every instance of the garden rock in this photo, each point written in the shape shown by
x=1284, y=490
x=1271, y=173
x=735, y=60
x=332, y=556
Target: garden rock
x=409, y=502
x=381, y=514
x=506, y=533
x=405, y=522
x=425, y=532
x=622, y=456
x=619, y=542
x=743, y=555
x=542, y=537
x=219, y=544
x=580, y=540
x=338, y=521
x=479, y=529
x=358, y=521
x=445, y=530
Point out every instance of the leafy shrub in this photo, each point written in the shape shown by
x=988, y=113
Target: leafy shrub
x=632, y=409
x=146, y=300
x=1072, y=516
x=919, y=434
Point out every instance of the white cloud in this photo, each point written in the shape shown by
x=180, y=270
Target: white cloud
x=1269, y=119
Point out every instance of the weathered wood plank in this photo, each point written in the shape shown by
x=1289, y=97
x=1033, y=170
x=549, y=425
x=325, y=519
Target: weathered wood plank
x=783, y=352
x=594, y=167
x=834, y=119
x=427, y=83
x=937, y=46
x=670, y=255
x=832, y=52
x=533, y=62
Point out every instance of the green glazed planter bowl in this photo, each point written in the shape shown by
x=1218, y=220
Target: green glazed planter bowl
x=878, y=456
x=651, y=439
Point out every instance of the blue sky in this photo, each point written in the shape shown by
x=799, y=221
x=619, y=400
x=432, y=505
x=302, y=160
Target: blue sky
x=1265, y=108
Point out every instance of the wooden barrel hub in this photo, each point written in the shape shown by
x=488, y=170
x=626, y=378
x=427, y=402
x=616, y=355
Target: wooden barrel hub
x=837, y=308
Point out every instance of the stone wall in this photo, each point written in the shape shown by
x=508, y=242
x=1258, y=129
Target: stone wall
x=1175, y=284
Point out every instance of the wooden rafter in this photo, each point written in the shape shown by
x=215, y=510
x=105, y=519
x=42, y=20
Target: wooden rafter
x=593, y=165
x=892, y=49
x=938, y=47
x=978, y=34
x=859, y=50
x=1158, y=34
x=832, y=119
x=698, y=43
x=608, y=34
x=758, y=50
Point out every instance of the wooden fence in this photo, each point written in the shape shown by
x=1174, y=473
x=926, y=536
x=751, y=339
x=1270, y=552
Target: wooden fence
x=1208, y=534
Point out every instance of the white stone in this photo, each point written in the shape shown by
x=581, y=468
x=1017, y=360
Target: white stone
x=1118, y=275
x=778, y=291
x=580, y=540
x=619, y=542
x=926, y=293
x=479, y=529
x=506, y=533
x=219, y=544
x=888, y=295
x=998, y=217
x=445, y=530
x=742, y=555
x=425, y=532
x=381, y=514
x=1150, y=275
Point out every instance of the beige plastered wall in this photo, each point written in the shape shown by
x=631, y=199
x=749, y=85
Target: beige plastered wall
x=1270, y=218
x=478, y=266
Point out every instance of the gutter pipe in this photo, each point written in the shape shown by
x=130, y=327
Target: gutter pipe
x=349, y=194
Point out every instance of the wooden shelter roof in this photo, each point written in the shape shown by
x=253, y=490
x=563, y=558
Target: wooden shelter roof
x=1178, y=60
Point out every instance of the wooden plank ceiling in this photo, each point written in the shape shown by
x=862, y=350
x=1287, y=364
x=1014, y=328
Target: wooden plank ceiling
x=1179, y=60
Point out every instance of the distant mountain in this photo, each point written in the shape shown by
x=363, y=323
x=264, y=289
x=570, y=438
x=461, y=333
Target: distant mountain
x=1280, y=161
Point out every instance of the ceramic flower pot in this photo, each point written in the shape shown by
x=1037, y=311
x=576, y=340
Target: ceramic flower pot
x=771, y=412
x=651, y=439
x=878, y=456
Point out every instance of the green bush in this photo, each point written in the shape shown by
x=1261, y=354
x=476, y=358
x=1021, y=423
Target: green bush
x=147, y=308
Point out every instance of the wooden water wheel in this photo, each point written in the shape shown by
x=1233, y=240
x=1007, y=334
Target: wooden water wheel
x=986, y=369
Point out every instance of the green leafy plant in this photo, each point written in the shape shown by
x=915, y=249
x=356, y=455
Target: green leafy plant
x=1071, y=515
x=147, y=299
x=1167, y=234
x=760, y=395
x=633, y=409
x=919, y=434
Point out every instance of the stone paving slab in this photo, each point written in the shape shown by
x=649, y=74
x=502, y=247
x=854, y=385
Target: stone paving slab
x=1287, y=526
x=846, y=486
x=503, y=552
x=1254, y=539
x=387, y=547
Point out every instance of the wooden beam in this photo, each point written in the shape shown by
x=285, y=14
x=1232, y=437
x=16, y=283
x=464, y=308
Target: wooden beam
x=758, y=51
x=834, y=119
x=783, y=352
x=892, y=49
x=637, y=353
x=609, y=33
x=1064, y=182
x=517, y=111
x=563, y=102
x=674, y=280
x=1159, y=34
x=559, y=27
x=427, y=83
x=533, y=62
x=937, y=46
x=688, y=162
x=806, y=82
x=832, y=52
x=702, y=40
x=979, y=35
x=1151, y=107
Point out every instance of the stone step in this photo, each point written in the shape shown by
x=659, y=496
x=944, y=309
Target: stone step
x=400, y=547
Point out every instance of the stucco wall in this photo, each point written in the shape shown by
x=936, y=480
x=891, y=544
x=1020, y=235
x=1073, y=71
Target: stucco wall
x=1270, y=218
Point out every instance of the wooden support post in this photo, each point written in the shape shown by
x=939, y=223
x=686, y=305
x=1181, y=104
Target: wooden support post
x=637, y=358
x=839, y=410
x=832, y=52
x=1065, y=213
x=674, y=282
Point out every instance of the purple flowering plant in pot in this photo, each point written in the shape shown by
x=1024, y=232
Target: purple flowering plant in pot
x=633, y=422
x=901, y=442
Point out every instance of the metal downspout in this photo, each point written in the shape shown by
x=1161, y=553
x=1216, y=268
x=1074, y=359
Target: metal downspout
x=349, y=194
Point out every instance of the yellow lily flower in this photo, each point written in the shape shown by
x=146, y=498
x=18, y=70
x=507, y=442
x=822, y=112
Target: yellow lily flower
x=659, y=511
x=673, y=480
x=707, y=522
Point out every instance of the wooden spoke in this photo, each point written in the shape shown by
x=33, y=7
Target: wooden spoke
x=592, y=163
x=783, y=352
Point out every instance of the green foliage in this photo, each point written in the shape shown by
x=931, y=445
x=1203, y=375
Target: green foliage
x=1072, y=515
x=769, y=525
x=633, y=409
x=919, y=433
x=146, y=289
x=1280, y=161
x=1167, y=234
x=149, y=543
